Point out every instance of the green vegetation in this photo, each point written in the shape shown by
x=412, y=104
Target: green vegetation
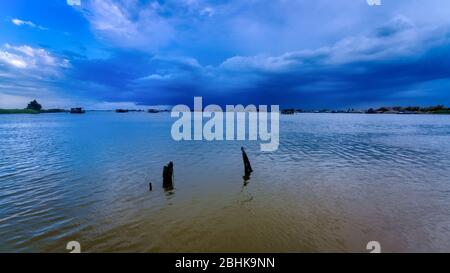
x=33, y=108
x=18, y=111
x=441, y=112
x=439, y=109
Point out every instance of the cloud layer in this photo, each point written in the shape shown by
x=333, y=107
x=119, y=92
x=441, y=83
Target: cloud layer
x=300, y=53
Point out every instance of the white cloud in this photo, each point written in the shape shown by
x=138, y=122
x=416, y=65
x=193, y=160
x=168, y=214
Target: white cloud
x=144, y=25
x=28, y=59
x=74, y=2
x=258, y=63
x=208, y=11
x=12, y=59
x=398, y=38
x=19, y=22
x=129, y=23
x=157, y=77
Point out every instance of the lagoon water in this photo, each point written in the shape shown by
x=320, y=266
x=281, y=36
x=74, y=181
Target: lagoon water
x=337, y=182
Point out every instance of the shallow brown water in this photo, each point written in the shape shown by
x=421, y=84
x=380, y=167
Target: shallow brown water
x=336, y=183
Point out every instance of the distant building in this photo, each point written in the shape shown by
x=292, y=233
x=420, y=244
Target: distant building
x=288, y=111
x=77, y=110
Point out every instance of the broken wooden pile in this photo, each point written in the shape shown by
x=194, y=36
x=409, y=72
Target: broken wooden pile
x=168, y=174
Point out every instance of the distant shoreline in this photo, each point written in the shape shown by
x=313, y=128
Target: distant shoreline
x=433, y=110
x=17, y=111
x=30, y=111
x=398, y=110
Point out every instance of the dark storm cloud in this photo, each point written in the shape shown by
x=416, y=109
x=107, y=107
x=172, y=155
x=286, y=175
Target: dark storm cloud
x=391, y=60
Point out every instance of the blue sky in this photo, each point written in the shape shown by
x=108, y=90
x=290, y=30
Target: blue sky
x=106, y=54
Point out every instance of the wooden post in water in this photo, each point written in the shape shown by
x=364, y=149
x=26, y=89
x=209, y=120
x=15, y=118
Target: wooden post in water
x=150, y=186
x=247, y=166
x=168, y=176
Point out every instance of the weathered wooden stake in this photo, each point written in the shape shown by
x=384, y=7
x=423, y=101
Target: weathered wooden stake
x=168, y=176
x=247, y=166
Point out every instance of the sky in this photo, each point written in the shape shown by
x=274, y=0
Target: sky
x=310, y=54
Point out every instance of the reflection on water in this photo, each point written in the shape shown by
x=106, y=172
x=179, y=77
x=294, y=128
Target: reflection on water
x=336, y=183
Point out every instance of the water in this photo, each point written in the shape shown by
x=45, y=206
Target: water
x=336, y=183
